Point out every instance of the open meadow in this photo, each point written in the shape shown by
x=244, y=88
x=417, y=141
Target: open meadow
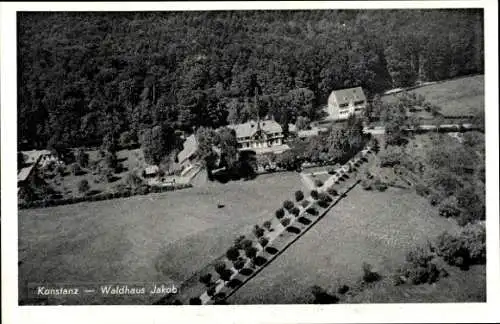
x=367, y=226
x=157, y=238
x=457, y=97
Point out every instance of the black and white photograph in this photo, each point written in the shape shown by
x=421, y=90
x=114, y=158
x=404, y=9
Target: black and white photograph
x=270, y=156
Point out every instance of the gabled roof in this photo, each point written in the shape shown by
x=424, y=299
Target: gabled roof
x=24, y=173
x=190, y=147
x=33, y=155
x=249, y=128
x=344, y=96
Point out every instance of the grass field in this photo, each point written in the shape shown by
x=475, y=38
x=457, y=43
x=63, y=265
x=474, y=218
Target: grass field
x=459, y=287
x=374, y=227
x=458, y=97
x=156, y=238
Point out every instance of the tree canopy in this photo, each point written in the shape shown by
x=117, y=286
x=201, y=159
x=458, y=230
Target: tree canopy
x=88, y=76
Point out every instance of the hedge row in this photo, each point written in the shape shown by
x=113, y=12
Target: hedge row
x=144, y=190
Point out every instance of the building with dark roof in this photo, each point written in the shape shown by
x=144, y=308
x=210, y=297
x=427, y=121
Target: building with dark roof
x=260, y=136
x=345, y=102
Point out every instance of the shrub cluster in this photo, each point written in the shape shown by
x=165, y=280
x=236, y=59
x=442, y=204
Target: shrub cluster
x=232, y=253
x=206, y=279
x=420, y=267
x=263, y=241
x=331, y=190
x=280, y=213
x=369, y=275
x=321, y=296
x=295, y=211
x=312, y=211
x=288, y=205
x=299, y=195
x=267, y=225
x=251, y=252
x=285, y=222
x=464, y=249
x=239, y=263
x=314, y=194
x=258, y=231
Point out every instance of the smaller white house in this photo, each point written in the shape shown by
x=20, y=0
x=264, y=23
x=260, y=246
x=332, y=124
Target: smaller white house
x=345, y=102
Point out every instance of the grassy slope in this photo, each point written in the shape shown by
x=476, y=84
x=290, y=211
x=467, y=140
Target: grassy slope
x=460, y=286
x=145, y=238
x=455, y=97
x=378, y=228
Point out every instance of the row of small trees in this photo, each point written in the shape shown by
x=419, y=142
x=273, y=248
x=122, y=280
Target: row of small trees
x=243, y=249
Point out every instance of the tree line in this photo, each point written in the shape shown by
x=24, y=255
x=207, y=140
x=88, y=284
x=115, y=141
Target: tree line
x=85, y=79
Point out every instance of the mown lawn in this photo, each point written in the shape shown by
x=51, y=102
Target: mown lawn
x=157, y=238
x=374, y=227
x=458, y=97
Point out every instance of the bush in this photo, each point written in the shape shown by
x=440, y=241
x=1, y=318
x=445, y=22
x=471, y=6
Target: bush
x=226, y=274
x=263, y=241
x=211, y=290
x=312, y=211
x=267, y=225
x=195, y=301
x=331, y=170
x=239, y=264
x=285, y=222
x=220, y=267
x=83, y=186
x=280, y=213
x=82, y=158
x=133, y=180
x=232, y=253
x=238, y=242
x=251, y=252
x=447, y=210
x=314, y=194
x=434, y=199
x=318, y=183
x=295, y=211
x=305, y=203
x=464, y=249
x=369, y=275
x=75, y=169
x=206, y=279
x=343, y=289
x=331, y=190
x=419, y=267
x=299, y=195
x=324, y=197
x=258, y=231
x=322, y=297
x=288, y=205
x=60, y=170
x=323, y=204
x=246, y=243
x=422, y=190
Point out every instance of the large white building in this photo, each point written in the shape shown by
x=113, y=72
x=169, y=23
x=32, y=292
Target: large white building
x=345, y=102
x=260, y=136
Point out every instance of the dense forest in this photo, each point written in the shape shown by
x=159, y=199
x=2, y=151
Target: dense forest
x=85, y=77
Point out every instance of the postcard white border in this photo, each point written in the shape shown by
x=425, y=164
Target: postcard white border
x=387, y=313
